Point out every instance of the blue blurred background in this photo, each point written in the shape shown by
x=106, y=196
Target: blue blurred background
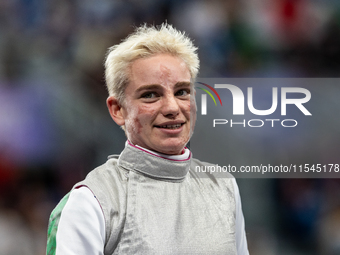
x=55, y=128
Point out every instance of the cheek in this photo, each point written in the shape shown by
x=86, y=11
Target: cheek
x=193, y=107
x=143, y=117
x=193, y=110
x=189, y=108
x=146, y=112
x=132, y=122
x=137, y=125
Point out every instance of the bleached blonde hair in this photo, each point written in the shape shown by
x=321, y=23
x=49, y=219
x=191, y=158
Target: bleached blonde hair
x=145, y=42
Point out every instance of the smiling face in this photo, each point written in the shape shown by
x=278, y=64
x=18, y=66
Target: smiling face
x=159, y=109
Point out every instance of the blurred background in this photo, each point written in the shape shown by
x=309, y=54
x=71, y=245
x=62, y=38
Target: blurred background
x=55, y=128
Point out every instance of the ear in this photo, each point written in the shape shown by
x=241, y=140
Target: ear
x=115, y=110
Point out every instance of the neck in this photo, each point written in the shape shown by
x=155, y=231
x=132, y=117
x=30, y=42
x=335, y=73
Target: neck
x=183, y=156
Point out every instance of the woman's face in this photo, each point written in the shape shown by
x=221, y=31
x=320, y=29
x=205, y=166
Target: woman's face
x=159, y=109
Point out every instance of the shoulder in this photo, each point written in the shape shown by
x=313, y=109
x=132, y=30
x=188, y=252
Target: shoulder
x=78, y=199
x=107, y=182
x=77, y=213
x=104, y=170
x=104, y=176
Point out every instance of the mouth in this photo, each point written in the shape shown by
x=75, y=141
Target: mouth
x=174, y=126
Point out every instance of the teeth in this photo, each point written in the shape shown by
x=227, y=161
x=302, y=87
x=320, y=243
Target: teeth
x=172, y=126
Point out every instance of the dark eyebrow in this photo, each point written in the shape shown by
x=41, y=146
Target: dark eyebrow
x=157, y=86
x=148, y=87
x=182, y=84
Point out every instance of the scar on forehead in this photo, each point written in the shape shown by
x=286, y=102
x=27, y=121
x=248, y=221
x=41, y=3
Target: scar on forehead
x=166, y=72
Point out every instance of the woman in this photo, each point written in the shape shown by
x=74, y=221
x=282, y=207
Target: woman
x=147, y=200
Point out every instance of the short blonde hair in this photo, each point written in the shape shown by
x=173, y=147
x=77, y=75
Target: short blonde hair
x=145, y=42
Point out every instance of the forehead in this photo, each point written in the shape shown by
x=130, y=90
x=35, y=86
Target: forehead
x=161, y=69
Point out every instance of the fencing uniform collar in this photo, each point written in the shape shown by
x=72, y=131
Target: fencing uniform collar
x=146, y=163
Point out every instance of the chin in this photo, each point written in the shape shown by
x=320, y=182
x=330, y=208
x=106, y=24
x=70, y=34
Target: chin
x=172, y=148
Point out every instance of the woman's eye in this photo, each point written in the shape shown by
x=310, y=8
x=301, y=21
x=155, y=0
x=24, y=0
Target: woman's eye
x=149, y=95
x=182, y=92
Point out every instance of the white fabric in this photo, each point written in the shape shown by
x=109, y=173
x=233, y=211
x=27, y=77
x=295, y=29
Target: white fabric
x=241, y=240
x=91, y=225
x=183, y=156
x=74, y=231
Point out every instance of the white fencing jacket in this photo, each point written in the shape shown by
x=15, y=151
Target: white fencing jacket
x=143, y=203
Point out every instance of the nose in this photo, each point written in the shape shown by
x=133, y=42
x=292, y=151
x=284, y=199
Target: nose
x=170, y=107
